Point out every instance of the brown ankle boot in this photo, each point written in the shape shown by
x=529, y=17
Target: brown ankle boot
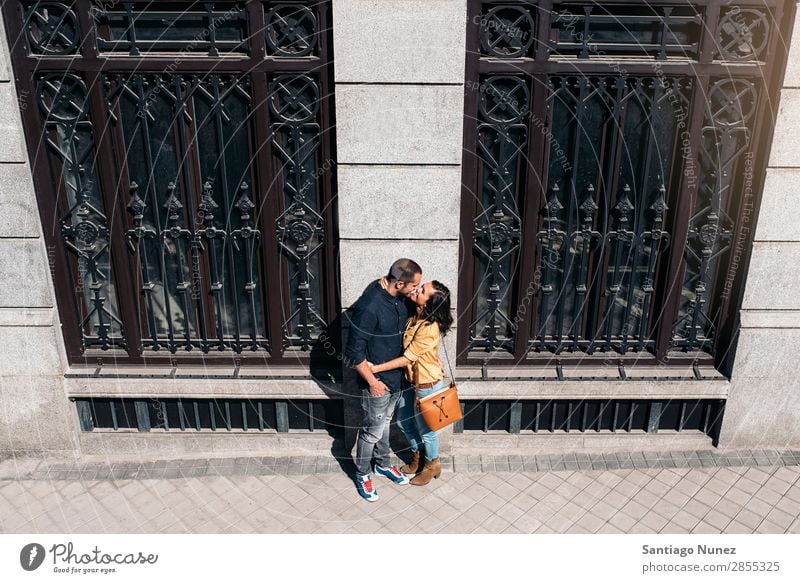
x=431, y=470
x=413, y=466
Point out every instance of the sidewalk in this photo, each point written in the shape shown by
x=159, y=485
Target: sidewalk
x=247, y=495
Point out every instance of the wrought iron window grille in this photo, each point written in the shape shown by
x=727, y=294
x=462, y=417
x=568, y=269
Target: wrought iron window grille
x=602, y=197
x=187, y=164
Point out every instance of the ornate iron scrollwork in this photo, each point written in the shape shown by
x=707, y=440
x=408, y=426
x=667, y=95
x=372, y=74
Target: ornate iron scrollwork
x=212, y=259
x=743, y=34
x=599, y=253
x=294, y=103
x=247, y=238
x=502, y=136
x=291, y=30
x=507, y=31
x=63, y=104
x=726, y=139
x=52, y=29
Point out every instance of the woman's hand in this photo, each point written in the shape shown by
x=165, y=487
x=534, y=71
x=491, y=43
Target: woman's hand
x=374, y=368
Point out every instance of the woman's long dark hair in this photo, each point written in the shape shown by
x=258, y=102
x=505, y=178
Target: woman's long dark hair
x=437, y=308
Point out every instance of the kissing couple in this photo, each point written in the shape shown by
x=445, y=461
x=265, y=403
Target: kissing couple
x=396, y=327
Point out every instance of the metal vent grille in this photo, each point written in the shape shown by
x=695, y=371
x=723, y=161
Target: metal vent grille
x=593, y=415
x=177, y=415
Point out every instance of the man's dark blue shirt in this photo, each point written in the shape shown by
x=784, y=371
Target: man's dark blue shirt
x=377, y=323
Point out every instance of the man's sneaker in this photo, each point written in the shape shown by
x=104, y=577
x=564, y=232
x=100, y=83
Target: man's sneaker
x=393, y=474
x=365, y=488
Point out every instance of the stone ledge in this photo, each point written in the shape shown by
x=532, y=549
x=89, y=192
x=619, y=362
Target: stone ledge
x=208, y=388
x=600, y=389
x=178, y=443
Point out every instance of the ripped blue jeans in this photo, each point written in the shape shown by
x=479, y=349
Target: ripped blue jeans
x=412, y=423
x=373, y=437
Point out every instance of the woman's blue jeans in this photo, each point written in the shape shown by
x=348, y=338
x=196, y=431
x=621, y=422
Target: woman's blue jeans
x=413, y=425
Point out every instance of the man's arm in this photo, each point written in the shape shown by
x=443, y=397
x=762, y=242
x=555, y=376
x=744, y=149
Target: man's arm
x=363, y=324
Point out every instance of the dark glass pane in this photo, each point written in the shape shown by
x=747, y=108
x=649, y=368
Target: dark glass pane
x=611, y=168
x=295, y=130
x=222, y=119
x=148, y=108
x=198, y=27
x=236, y=416
x=63, y=104
x=724, y=153
x=195, y=249
x=598, y=30
x=502, y=137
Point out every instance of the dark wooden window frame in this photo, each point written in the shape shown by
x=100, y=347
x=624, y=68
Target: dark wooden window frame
x=537, y=65
x=90, y=64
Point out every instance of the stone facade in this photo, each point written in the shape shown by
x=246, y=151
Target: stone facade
x=35, y=415
x=763, y=405
x=399, y=89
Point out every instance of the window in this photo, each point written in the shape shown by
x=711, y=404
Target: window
x=611, y=157
x=182, y=159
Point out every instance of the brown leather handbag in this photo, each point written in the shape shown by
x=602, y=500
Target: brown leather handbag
x=441, y=408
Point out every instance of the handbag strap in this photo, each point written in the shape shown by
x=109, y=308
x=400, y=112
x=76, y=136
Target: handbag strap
x=447, y=358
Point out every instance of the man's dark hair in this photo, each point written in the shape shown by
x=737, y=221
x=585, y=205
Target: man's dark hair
x=403, y=270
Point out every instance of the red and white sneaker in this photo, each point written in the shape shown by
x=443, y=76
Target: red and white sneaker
x=393, y=474
x=365, y=488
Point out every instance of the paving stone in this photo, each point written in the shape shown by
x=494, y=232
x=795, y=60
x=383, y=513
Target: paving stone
x=768, y=527
x=310, y=494
x=769, y=496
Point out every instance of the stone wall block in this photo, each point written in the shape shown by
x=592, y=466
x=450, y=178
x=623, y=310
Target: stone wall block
x=35, y=416
x=414, y=41
x=29, y=351
x=12, y=146
x=773, y=279
x=787, y=128
x=399, y=202
x=399, y=124
x=365, y=261
x=23, y=274
x=18, y=201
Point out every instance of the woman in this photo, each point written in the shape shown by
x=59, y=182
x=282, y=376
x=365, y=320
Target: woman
x=423, y=374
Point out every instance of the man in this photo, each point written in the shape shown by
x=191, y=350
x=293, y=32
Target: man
x=377, y=322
